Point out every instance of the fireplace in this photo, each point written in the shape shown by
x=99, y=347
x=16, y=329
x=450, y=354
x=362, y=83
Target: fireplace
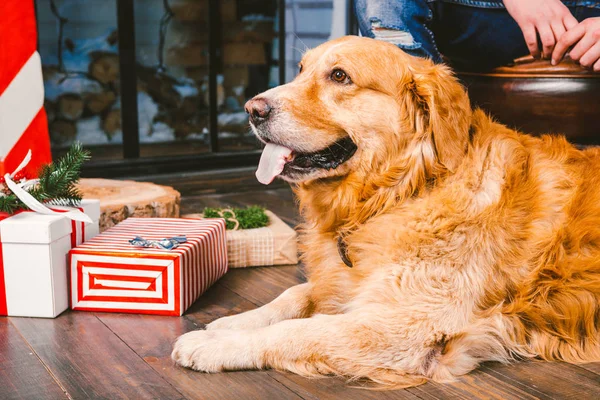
x=153, y=86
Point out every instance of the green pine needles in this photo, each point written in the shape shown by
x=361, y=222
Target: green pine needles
x=56, y=183
x=250, y=217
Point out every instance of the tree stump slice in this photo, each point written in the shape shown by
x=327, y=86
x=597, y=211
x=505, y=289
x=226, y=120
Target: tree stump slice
x=123, y=199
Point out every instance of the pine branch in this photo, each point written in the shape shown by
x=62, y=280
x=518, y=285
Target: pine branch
x=56, y=182
x=9, y=204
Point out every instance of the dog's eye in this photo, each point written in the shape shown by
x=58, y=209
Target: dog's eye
x=340, y=76
x=299, y=68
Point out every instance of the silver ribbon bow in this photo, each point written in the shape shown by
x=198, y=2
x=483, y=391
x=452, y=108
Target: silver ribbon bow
x=163, y=244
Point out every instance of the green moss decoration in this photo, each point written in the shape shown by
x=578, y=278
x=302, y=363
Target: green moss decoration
x=250, y=217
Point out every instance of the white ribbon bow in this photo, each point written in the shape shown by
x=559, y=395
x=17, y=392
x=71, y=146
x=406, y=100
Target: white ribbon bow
x=31, y=202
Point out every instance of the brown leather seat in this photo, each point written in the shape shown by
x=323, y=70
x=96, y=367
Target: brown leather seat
x=536, y=97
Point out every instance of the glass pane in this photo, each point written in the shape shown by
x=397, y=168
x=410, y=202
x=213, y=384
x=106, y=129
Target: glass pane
x=249, y=66
x=78, y=46
x=172, y=56
x=308, y=24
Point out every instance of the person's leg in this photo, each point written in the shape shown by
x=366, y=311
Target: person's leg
x=477, y=38
x=478, y=35
x=470, y=34
x=486, y=36
x=401, y=22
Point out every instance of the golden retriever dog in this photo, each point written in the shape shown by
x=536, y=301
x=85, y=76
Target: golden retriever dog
x=434, y=238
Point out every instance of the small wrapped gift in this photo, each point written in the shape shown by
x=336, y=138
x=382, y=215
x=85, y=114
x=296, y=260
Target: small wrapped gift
x=148, y=265
x=33, y=259
x=274, y=244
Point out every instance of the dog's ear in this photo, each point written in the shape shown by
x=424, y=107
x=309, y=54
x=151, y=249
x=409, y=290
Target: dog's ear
x=441, y=113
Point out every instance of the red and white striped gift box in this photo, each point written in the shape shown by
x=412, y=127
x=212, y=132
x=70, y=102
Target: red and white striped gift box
x=23, y=123
x=109, y=274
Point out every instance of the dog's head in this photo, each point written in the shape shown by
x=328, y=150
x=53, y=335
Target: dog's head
x=364, y=107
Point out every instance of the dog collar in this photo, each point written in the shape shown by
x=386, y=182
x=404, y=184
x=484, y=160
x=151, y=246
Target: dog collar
x=343, y=251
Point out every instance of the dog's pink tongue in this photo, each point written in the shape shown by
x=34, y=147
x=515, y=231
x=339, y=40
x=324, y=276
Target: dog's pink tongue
x=271, y=162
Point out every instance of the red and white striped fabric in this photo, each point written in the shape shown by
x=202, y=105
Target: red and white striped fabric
x=109, y=274
x=23, y=123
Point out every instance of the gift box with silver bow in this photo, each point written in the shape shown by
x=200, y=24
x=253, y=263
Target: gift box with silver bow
x=148, y=265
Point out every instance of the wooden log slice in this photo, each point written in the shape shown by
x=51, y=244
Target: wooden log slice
x=123, y=199
x=195, y=55
x=69, y=106
x=111, y=122
x=159, y=86
x=50, y=108
x=104, y=66
x=183, y=33
x=97, y=103
x=197, y=10
x=62, y=131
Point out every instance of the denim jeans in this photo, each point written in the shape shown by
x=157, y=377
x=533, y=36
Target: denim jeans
x=472, y=34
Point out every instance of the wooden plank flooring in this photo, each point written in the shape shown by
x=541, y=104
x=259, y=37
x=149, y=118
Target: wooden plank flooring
x=83, y=355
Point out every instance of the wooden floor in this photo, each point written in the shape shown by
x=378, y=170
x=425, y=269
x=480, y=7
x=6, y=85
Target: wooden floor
x=83, y=355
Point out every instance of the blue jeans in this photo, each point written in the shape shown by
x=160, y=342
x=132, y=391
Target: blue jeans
x=472, y=34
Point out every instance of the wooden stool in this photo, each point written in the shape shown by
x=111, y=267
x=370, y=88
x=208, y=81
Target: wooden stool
x=536, y=97
x=123, y=199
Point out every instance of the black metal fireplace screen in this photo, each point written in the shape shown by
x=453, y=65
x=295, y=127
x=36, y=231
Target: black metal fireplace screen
x=158, y=86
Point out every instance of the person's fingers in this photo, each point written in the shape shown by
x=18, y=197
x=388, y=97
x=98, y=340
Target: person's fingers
x=558, y=29
x=568, y=39
x=570, y=21
x=582, y=47
x=547, y=38
x=597, y=66
x=591, y=56
x=530, y=36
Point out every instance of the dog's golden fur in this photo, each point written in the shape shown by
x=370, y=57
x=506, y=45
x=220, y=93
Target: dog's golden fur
x=469, y=241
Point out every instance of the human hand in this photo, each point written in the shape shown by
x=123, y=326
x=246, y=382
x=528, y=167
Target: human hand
x=549, y=19
x=587, y=51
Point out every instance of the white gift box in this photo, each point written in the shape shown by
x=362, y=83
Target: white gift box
x=33, y=260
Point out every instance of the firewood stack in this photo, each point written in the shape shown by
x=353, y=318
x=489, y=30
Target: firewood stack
x=178, y=94
x=85, y=94
x=246, y=39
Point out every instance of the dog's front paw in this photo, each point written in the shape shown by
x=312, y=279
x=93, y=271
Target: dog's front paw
x=213, y=351
x=195, y=350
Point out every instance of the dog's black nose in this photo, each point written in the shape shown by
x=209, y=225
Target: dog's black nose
x=259, y=109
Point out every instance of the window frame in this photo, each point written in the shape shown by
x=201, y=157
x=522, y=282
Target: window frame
x=132, y=164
